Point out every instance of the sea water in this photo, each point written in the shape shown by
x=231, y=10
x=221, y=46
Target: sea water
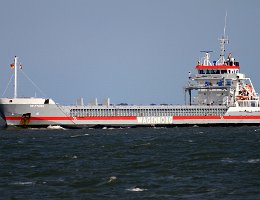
x=136, y=163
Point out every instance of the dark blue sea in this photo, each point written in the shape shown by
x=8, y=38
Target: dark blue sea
x=137, y=163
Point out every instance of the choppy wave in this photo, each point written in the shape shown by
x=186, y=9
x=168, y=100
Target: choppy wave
x=136, y=189
x=228, y=160
x=25, y=183
x=141, y=163
x=112, y=179
x=55, y=127
x=253, y=161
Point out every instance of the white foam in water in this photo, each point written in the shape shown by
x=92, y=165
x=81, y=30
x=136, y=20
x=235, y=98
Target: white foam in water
x=227, y=160
x=136, y=189
x=75, y=136
x=253, y=161
x=112, y=179
x=31, y=128
x=23, y=183
x=55, y=127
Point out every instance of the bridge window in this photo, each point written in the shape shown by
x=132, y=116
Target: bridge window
x=201, y=71
x=223, y=71
x=211, y=71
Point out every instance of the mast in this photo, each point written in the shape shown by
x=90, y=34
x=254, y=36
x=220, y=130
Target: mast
x=223, y=40
x=15, y=77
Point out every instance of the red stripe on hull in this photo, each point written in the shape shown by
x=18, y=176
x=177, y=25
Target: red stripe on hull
x=213, y=117
x=76, y=118
x=108, y=118
x=241, y=117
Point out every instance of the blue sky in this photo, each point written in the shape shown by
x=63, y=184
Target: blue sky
x=138, y=51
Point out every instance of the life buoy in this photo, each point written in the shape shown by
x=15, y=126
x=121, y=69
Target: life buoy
x=249, y=88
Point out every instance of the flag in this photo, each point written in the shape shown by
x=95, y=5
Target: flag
x=12, y=65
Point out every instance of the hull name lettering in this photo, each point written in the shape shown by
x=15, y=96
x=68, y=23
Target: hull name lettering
x=154, y=120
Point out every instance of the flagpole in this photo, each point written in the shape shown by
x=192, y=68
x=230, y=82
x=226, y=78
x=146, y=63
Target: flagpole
x=15, y=77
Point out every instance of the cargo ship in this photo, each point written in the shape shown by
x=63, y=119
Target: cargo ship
x=216, y=94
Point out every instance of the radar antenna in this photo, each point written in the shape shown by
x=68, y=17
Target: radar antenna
x=206, y=58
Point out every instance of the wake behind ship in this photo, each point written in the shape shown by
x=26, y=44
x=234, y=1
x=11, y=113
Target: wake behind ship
x=217, y=94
